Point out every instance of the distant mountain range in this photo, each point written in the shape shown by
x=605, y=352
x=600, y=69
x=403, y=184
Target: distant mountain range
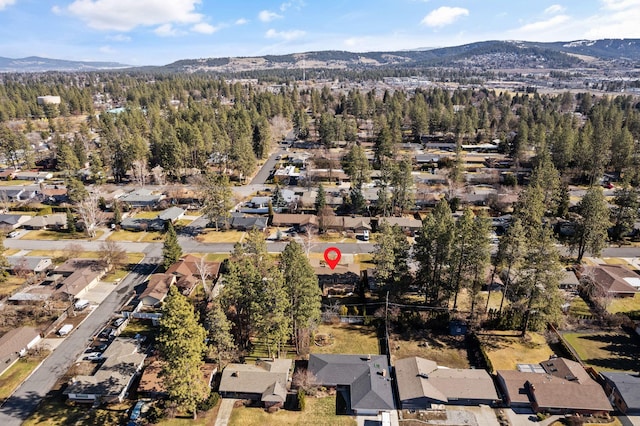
x=486, y=55
x=37, y=64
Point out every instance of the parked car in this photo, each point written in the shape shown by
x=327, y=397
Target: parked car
x=118, y=322
x=136, y=412
x=94, y=357
x=13, y=234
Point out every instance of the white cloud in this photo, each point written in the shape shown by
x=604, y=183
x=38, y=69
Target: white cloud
x=56, y=10
x=241, y=21
x=106, y=49
x=550, y=23
x=444, y=15
x=285, y=35
x=5, y=3
x=125, y=15
x=617, y=19
x=166, y=30
x=204, y=28
x=554, y=8
x=620, y=4
x=268, y=16
x=297, y=4
x=119, y=38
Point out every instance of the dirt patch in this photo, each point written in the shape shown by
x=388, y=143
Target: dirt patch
x=448, y=351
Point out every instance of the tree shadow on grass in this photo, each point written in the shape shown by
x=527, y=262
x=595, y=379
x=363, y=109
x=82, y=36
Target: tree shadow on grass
x=619, y=351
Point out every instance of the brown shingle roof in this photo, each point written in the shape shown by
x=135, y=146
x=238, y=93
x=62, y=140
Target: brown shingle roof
x=612, y=278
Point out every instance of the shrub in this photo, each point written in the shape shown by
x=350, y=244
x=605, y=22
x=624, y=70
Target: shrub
x=302, y=399
x=210, y=402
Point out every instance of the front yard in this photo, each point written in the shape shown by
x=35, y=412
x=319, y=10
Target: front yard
x=606, y=351
x=318, y=411
x=15, y=375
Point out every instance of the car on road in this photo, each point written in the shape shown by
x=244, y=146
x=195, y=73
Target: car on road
x=13, y=234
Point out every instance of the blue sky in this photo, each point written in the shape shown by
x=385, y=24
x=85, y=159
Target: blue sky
x=158, y=32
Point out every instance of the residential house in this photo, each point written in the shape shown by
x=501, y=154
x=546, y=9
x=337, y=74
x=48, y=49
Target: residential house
x=613, y=280
x=257, y=205
x=265, y=382
x=294, y=220
x=76, y=276
x=363, y=379
x=15, y=343
x=172, y=214
x=187, y=272
x=8, y=174
x=327, y=175
x=422, y=383
x=56, y=221
x=112, y=380
x=142, y=198
x=248, y=223
x=406, y=224
x=35, y=176
x=29, y=264
x=16, y=194
x=623, y=390
x=556, y=386
x=569, y=280
x=157, y=289
x=342, y=279
x=54, y=194
x=140, y=224
x=12, y=221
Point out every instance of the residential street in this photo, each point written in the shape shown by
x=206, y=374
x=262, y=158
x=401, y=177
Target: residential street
x=27, y=397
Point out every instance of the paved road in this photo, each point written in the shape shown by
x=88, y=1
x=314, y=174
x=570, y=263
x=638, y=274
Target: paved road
x=27, y=397
x=261, y=177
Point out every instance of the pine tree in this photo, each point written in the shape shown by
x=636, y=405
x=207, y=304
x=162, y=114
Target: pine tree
x=219, y=331
x=171, y=250
x=391, y=255
x=304, y=294
x=217, y=197
x=591, y=230
x=182, y=344
x=4, y=263
x=321, y=198
x=71, y=222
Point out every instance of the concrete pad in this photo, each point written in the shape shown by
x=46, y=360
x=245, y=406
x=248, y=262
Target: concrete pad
x=224, y=412
x=99, y=292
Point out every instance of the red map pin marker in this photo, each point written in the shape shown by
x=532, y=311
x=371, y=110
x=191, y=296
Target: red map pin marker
x=332, y=256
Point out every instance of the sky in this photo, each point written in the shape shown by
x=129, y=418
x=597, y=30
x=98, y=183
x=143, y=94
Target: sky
x=158, y=32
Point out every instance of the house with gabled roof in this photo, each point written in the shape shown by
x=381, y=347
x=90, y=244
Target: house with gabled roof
x=15, y=343
x=187, y=272
x=157, y=289
x=111, y=382
x=422, y=383
x=265, y=381
x=29, y=264
x=12, y=221
x=623, y=390
x=561, y=386
x=364, y=379
x=614, y=280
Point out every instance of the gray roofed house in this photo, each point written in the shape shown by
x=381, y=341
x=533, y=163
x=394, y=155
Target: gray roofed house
x=247, y=223
x=422, y=383
x=34, y=264
x=48, y=221
x=112, y=380
x=264, y=381
x=569, y=281
x=365, y=378
x=142, y=198
x=171, y=214
x=141, y=224
x=624, y=390
x=15, y=343
x=12, y=221
x=405, y=223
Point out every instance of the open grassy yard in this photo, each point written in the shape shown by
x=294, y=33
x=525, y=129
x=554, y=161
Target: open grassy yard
x=61, y=255
x=447, y=351
x=216, y=257
x=579, y=308
x=221, y=237
x=19, y=371
x=11, y=284
x=606, y=351
x=144, y=237
x=58, y=235
x=506, y=349
x=146, y=215
x=464, y=301
x=318, y=412
x=204, y=419
x=54, y=411
x=630, y=305
x=347, y=339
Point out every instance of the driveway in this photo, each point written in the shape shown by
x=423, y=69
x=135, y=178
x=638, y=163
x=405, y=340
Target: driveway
x=224, y=412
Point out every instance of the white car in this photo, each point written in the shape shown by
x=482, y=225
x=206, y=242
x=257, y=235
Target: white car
x=13, y=234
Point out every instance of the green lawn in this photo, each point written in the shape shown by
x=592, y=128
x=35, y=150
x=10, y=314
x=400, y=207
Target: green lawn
x=318, y=412
x=147, y=237
x=630, y=305
x=19, y=371
x=57, y=235
x=606, y=351
x=347, y=339
x=221, y=236
x=579, y=308
x=146, y=215
x=55, y=411
x=217, y=257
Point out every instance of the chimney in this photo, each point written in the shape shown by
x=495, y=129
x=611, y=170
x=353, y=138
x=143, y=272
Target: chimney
x=384, y=372
x=368, y=357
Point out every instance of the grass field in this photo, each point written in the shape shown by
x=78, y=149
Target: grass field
x=579, y=308
x=12, y=283
x=57, y=235
x=54, y=411
x=217, y=257
x=626, y=305
x=146, y=215
x=145, y=237
x=505, y=351
x=204, y=419
x=606, y=351
x=318, y=412
x=348, y=339
x=221, y=237
x=19, y=371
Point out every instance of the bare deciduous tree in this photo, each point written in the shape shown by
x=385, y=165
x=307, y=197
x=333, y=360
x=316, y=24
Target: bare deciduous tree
x=158, y=175
x=112, y=255
x=139, y=171
x=90, y=212
x=204, y=270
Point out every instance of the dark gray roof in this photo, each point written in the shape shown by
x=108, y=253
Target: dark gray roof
x=10, y=219
x=366, y=375
x=628, y=385
x=172, y=213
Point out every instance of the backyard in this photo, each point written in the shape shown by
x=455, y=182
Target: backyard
x=345, y=339
x=506, y=349
x=606, y=351
x=447, y=351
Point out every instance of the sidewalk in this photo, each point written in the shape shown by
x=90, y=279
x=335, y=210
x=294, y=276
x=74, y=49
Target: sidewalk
x=224, y=412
